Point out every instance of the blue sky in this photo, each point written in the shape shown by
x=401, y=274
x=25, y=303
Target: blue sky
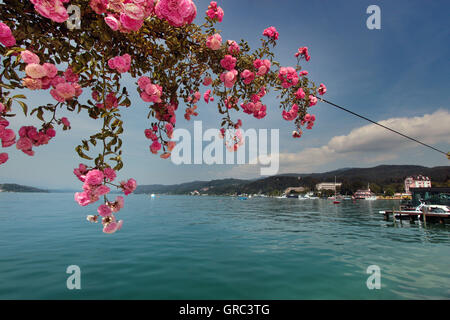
x=399, y=74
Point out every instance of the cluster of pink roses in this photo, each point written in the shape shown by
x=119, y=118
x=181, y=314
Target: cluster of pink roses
x=109, y=222
x=303, y=52
x=120, y=63
x=52, y=9
x=125, y=16
x=151, y=134
x=214, y=12
x=271, y=32
x=43, y=76
x=291, y=114
x=29, y=137
x=233, y=47
x=7, y=136
x=308, y=119
x=128, y=186
x=94, y=187
x=207, y=96
x=6, y=36
x=190, y=112
x=228, y=62
x=247, y=76
x=263, y=66
x=255, y=106
x=149, y=92
x=233, y=139
x=288, y=77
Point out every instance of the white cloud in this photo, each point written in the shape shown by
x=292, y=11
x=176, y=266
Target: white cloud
x=368, y=144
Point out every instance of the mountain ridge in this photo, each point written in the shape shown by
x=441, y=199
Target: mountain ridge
x=381, y=175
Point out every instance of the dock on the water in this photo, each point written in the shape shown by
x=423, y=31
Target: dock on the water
x=441, y=218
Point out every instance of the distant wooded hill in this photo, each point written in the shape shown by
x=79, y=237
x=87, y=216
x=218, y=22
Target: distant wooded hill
x=380, y=178
x=11, y=187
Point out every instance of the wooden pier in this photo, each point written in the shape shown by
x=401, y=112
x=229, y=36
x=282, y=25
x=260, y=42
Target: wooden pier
x=442, y=218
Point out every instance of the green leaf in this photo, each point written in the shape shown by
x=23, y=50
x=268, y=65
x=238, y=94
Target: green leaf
x=24, y=106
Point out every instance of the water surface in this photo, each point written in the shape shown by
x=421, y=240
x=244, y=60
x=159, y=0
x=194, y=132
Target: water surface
x=183, y=247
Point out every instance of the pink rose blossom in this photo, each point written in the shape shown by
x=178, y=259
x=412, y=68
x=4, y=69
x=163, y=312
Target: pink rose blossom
x=35, y=71
x=117, y=205
x=32, y=84
x=129, y=186
x=228, y=62
x=53, y=9
x=51, y=70
x=65, y=90
x=214, y=12
x=65, y=122
x=82, y=198
x=24, y=144
x=300, y=94
x=214, y=42
x=263, y=66
x=177, y=12
x=312, y=100
x=206, y=95
x=229, y=78
x=322, y=89
x=120, y=63
x=3, y=157
x=5, y=31
x=129, y=23
x=155, y=147
x=288, y=77
x=109, y=174
x=71, y=76
x=303, y=52
x=291, y=114
x=29, y=57
x=303, y=73
x=104, y=210
x=207, y=81
x=99, y=6
x=248, y=76
x=233, y=47
x=143, y=82
x=112, y=227
x=101, y=190
x=112, y=22
x=271, y=32
x=94, y=177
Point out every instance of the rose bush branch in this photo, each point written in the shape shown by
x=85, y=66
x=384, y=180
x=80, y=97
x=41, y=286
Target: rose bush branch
x=173, y=61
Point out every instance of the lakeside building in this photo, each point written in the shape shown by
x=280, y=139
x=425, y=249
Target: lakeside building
x=327, y=185
x=417, y=182
x=365, y=194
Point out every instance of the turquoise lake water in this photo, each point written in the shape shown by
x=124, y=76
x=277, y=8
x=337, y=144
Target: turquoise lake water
x=183, y=247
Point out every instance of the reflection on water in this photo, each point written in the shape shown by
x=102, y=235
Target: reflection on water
x=182, y=247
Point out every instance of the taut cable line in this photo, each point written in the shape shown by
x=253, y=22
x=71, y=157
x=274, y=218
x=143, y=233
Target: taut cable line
x=387, y=128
